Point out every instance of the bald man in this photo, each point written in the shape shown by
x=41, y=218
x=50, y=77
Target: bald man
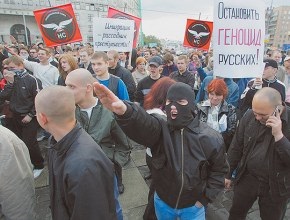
x=98, y=121
x=261, y=152
x=81, y=176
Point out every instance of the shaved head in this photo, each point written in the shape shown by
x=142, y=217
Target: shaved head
x=56, y=103
x=265, y=103
x=270, y=95
x=80, y=76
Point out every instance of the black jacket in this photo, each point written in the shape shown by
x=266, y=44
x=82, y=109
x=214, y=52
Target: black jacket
x=21, y=94
x=187, y=78
x=188, y=165
x=127, y=78
x=279, y=153
x=90, y=68
x=81, y=179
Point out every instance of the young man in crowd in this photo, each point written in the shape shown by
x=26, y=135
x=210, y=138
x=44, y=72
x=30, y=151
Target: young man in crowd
x=21, y=90
x=117, y=70
x=98, y=121
x=81, y=176
x=183, y=75
x=100, y=64
x=143, y=87
x=269, y=79
x=85, y=59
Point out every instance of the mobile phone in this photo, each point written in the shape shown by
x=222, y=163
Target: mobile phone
x=277, y=110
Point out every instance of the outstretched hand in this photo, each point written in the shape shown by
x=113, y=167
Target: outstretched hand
x=109, y=99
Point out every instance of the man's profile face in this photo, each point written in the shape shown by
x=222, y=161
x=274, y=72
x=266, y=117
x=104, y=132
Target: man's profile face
x=99, y=66
x=77, y=88
x=112, y=60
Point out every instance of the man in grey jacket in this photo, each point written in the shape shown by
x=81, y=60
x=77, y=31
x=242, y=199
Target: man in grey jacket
x=98, y=121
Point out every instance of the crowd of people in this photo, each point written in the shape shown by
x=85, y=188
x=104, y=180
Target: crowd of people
x=204, y=134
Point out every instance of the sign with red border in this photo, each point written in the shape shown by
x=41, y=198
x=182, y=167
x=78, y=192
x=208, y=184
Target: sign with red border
x=114, y=13
x=58, y=25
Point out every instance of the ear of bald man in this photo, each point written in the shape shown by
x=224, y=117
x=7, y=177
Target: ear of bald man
x=109, y=99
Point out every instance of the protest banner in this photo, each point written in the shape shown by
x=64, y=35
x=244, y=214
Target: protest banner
x=198, y=34
x=114, y=13
x=238, y=38
x=58, y=25
x=113, y=34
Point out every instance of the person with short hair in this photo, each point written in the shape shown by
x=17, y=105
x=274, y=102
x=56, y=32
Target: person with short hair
x=260, y=150
x=183, y=75
x=124, y=74
x=100, y=65
x=85, y=57
x=21, y=90
x=81, y=176
x=99, y=122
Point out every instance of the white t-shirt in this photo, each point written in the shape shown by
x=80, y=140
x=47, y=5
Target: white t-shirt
x=89, y=110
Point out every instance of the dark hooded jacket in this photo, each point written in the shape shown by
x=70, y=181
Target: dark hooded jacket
x=188, y=163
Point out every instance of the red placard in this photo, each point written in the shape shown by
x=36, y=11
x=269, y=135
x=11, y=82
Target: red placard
x=58, y=25
x=114, y=13
x=198, y=34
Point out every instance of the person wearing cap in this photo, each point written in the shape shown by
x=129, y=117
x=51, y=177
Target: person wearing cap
x=144, y=86
x=269, y=79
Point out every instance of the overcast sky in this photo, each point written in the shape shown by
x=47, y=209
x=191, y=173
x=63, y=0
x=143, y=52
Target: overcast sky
x=167, y=19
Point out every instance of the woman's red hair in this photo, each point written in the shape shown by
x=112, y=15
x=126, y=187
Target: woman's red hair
x=156, y=98
x=219, y=87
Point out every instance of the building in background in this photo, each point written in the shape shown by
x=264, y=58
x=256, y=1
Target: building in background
x=16, y=14
x=277, y=27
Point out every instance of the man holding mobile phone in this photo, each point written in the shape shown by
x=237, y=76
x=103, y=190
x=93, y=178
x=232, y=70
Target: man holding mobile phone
x=261, y=153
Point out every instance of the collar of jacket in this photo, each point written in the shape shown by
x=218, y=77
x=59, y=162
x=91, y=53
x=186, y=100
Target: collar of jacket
x=223, y=109
x=270, y=81
x=193, y=125
x=65, y=143
x=184, y=73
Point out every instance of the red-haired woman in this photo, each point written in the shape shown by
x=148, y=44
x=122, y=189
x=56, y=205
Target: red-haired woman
x=217, y=113
x=154, y=103
x=67, y=63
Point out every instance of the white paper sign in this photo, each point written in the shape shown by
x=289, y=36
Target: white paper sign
x=113, y=34
x=238, y=38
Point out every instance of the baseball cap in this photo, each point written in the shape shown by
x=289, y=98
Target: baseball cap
x=156, y=61
x=271, y=62
x=287, y=58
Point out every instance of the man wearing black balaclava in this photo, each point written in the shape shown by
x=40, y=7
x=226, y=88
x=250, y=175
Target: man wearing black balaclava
x=188, y=160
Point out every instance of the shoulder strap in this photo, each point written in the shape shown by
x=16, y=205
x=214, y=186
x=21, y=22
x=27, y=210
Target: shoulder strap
x=113, y=84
